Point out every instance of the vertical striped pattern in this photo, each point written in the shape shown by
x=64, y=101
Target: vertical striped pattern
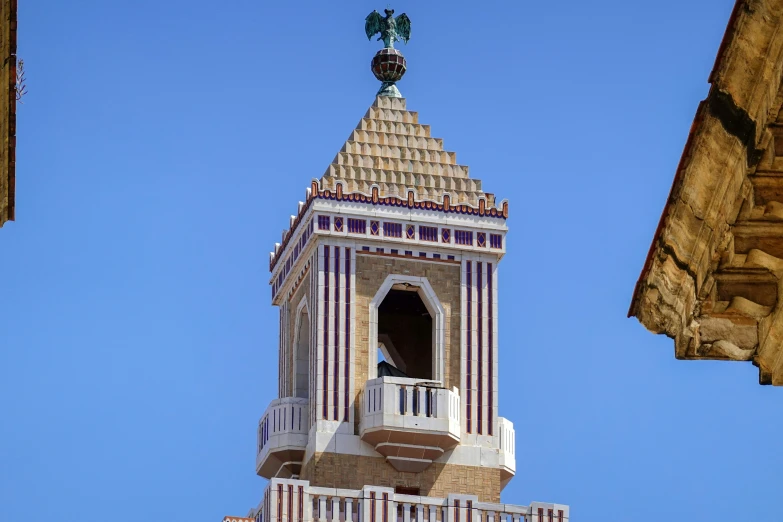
x=279, y=501
x=325, y=409
x=469, y=395
x=268, y=501
x=480, y=374
x=280, y=355
x=491, y=347
x=479, y=348
x=313, y=337
x=290, y=503
x=347, y=333
x=300, y=518
x=334, y=326
x=285, y=353
x=336, y=387
x=287, y=349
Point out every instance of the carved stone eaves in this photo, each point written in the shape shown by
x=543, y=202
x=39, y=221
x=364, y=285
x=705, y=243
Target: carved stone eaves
x=712, y=279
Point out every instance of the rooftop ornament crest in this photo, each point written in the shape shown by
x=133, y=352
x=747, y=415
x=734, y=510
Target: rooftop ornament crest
x=388, y=64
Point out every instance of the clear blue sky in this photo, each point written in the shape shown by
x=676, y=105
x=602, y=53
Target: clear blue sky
x=162, y=147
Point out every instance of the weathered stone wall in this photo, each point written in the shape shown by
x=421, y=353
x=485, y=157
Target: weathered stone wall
x=713, y=274
x=749, y=66
x=334, y=470
x=688, y=249
x=444, y=277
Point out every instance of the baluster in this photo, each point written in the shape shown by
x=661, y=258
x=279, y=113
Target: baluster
x=322, y=508
x=335, y=509
x=366, y=507
x=348, y=510
x=490, y=516
x=419, y=513
x=274, y=516
x=443, y=406
x=406, y=512
x=282, y=513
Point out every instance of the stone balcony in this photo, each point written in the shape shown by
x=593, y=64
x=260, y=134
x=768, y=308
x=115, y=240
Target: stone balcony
x=282, y=438
x=411, y=422
x=298, y=501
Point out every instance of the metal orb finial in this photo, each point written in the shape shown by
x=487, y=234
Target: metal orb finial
x=388, y=64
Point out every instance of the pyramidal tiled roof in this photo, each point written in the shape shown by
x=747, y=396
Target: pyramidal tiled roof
x=391, y=149
x=391, y=159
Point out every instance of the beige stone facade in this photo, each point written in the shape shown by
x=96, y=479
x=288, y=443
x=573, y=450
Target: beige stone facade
x=444, y=277
x=712, y=278
x=333, y=470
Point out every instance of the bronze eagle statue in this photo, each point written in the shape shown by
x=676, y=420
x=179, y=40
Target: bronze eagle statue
x=392, y=29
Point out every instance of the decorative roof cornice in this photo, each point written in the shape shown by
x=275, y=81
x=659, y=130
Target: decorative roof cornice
x=444, y=204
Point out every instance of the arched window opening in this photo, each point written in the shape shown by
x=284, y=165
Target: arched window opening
x=302, y=354
x=405, y=336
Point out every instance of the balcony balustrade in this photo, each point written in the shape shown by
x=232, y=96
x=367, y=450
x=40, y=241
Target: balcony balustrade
x=282, y=438
x=411, y=422
x=298, y=501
